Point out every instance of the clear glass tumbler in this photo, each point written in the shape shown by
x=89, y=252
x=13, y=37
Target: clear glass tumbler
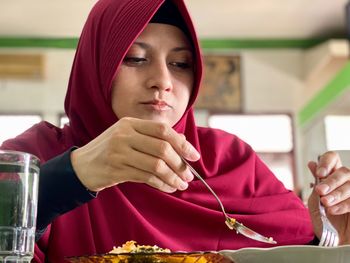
x=19, y=181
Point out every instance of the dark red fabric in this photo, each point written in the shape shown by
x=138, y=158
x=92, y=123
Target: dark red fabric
x=189, y=220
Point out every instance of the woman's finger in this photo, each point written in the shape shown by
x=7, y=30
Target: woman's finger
x=156, y=166
x=161, y=150
x=327, y=163
x=166, y=133
x=312, y=167
x=334, y=182
x=340, y=208
x=140, y=176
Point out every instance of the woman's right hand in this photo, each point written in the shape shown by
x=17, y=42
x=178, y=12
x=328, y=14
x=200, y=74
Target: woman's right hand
x=334, y=193
x=135, y=150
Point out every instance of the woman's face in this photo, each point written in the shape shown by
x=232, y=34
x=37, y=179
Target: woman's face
x=155, y=79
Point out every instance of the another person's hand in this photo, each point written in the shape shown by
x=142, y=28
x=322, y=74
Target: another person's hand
x=134, y=150
x=334, y=193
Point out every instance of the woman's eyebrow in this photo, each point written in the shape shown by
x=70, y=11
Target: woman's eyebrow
x=182, y=49
x=142, y=45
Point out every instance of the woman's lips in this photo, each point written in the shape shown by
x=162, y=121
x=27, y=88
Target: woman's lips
x=159, y=105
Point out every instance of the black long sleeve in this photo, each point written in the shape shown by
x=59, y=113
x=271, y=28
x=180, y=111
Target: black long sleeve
x=60, y=191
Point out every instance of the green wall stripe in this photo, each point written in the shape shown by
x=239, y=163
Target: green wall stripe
x=328, y=94
x=71, y=43
x=259, y=43
x=22, y=42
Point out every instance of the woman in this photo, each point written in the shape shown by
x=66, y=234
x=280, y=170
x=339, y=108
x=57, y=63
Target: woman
x=134, y=80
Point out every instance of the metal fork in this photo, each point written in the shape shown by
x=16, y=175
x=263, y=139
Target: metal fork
x=232, y=223
x=330, y=237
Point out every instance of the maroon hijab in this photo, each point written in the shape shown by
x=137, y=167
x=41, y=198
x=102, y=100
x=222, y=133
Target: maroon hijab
x=187, y=221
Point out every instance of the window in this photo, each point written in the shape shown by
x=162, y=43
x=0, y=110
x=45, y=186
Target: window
x=63, y=120
x=337, y=132
x=270, y=135
x=13, y=125
x=265, y=133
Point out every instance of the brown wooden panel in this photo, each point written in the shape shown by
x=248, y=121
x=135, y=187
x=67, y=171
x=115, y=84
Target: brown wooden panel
x=21, y=66
x=221, y=87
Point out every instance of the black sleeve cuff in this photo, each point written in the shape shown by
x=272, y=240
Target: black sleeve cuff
x=315, y=241
x=60, y=190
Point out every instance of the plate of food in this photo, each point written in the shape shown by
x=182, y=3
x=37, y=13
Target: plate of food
x=131, y=252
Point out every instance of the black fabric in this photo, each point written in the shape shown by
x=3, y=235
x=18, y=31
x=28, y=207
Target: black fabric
x=315, y=241
x=169, y=14
x=60, y=191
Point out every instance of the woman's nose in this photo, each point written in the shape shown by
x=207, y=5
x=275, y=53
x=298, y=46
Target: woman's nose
x=160, y=77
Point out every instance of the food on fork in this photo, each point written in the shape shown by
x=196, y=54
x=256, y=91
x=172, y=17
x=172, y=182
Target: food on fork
x=132, y=247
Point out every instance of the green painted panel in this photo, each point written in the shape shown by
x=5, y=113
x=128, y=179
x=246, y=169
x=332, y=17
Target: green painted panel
x=335, y=87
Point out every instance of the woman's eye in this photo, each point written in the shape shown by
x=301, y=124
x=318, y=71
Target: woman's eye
x=181, y=65
x=134, y=60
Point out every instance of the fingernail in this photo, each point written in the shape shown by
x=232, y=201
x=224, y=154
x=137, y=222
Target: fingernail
x=323, y=188
x=183, y=185
x=322, y=172
x=194, y=153
x=188, y=175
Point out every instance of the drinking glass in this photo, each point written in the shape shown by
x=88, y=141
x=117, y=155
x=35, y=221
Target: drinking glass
x=19, y=178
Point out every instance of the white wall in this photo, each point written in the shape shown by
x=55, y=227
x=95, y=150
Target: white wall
x=271, y=80
x=44, y=96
